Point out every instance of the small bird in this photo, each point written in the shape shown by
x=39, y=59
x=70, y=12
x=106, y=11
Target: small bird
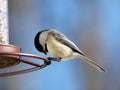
x=60, y=47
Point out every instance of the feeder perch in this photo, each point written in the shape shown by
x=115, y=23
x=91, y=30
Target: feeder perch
x=10, y=55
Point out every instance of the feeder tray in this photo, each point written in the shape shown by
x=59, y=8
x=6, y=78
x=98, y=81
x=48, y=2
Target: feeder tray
x=10, y=56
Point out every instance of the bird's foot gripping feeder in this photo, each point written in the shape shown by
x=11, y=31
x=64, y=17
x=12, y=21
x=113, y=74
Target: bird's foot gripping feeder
x=10, y=56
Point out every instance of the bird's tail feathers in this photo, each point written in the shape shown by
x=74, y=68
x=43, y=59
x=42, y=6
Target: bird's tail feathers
x=92, y=63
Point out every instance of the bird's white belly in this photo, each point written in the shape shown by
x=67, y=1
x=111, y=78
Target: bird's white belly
x=58, y=50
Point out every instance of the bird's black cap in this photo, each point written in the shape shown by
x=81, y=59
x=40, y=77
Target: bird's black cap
x=37, y=44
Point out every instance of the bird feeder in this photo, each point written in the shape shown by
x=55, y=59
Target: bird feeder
x=10, y=55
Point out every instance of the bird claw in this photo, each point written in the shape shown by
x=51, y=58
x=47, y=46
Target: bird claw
x=47, y=63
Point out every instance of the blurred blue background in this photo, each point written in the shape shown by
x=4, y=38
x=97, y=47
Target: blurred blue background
x=94, y=25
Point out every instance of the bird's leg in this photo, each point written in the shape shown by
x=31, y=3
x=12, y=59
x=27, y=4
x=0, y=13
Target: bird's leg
x=54, y=59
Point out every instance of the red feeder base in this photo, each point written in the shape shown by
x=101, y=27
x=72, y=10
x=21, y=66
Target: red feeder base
x=10, y=56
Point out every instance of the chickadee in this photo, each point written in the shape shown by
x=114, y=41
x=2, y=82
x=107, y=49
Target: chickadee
x=60, y=47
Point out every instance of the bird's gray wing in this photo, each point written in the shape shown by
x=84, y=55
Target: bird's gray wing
x=68, y=43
